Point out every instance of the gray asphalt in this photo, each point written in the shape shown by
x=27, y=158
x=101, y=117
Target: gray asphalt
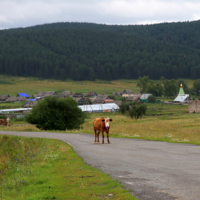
x=150, y=170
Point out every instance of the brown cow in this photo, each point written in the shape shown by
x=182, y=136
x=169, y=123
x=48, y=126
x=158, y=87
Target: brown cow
x=101, y=125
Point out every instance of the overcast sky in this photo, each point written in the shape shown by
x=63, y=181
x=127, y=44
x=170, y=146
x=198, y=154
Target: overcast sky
x=24, y=13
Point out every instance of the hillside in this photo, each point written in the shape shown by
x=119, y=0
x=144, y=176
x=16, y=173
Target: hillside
x=84, y=51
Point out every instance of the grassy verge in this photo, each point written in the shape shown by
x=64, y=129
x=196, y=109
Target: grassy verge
x=34, y=169
x=170, y=123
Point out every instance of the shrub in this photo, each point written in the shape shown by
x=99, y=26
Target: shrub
x=134, y=109
x=151, y=98
x=56, y=114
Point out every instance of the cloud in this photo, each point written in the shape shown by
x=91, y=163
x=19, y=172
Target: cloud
x=22, y=13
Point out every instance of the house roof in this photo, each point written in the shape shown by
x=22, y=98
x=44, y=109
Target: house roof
x=181, y=98
x=91, y=93
x=79, y=99
x=46, y=94
x=128, y=91
x=30, y=104
x=98, y=107
x=31, y=99
x=181, y=91
x=132, y=98
x=4, y=97
x=66, y=93
x=23, y=95
x=13, y=99
x=145, y=96
x=101, y=98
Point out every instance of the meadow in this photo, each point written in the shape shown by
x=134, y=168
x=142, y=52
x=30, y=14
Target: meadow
x=170, y=123
x=36, y=169
x=13, y=85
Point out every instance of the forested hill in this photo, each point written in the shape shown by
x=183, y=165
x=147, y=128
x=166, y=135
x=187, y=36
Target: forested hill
x=86, y=51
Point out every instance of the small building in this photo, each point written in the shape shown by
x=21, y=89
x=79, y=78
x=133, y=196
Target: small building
x=182, y=97
x=46, y=94
x=15, y=99
x=30, y=104
x=133, y=98
x=117, y=93
x=108, y=101
x=127, y=91
x=79, y=100
x=101, y=99
x=108, y=107
x=4, y=97
x=23, y=95
x=77, y=95
x=144, y=97
x=92, y=94
x=194, y=106
x=66, y=93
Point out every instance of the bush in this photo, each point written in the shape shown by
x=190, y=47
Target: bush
x=56, y=114
x=151, y=99
x=134, y=109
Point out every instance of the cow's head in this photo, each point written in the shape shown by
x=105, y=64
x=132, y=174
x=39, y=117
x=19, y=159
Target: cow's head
x=107, y=120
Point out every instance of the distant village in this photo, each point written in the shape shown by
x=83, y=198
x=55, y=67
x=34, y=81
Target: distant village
x=94, y=98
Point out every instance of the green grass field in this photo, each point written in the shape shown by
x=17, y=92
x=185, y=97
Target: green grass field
x=13, y=85
x=36, y=169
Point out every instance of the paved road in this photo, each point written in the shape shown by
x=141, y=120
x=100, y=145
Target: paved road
x=151, y=170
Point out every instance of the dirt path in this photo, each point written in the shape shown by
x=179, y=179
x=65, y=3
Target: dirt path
x=151, y=170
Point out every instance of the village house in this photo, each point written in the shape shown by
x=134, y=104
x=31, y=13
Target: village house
x=4, y=97
x=92, y=94
x=145, y=97
x=182, y=97
x=117, y=93
x=30, y=104
x=101, y=99
x=23, y=95
x=194, y=106
x=133, y=98
x=77, y=95
x=15, y=99
x=127, y=93
x=66, y=93
x=79, y=100
x=42, y=95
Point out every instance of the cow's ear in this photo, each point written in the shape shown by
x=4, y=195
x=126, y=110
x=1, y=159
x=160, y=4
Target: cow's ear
x=110, y=120
x=103, y=120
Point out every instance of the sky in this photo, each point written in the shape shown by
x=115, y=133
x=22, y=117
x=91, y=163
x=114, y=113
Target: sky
x=25, y=13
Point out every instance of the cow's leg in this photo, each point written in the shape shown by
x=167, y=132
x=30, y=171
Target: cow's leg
x=108, y=137
x=98, y=136
x=95, y=135
x=102, y=137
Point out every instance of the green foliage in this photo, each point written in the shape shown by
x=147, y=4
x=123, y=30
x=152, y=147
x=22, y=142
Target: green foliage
x=196, y=86
x=133, y=109
x=151, y=99
x=88, y=100
x=56, y=114
x=143, y=82
x=170, y=88
x=82, y=51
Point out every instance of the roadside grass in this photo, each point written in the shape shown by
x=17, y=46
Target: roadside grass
x=35, y=169
x=169, y=123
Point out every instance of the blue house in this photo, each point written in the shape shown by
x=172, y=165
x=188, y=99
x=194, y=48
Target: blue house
x=23, y=95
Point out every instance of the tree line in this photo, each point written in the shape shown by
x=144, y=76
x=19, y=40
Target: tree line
x=84, y=51
x=167, y=87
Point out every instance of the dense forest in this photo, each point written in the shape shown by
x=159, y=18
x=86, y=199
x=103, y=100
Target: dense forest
x=87, y=51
